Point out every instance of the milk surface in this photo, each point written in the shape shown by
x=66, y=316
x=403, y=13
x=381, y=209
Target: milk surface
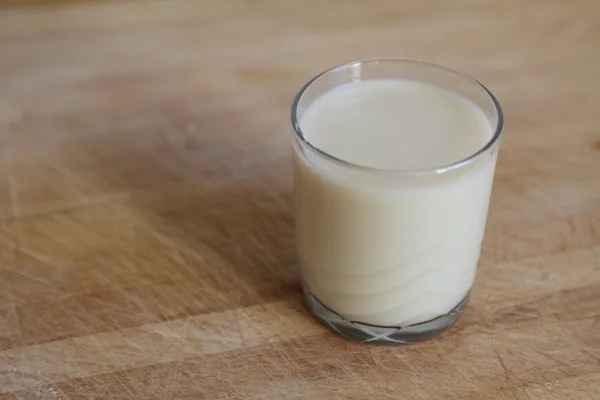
x=382, y=248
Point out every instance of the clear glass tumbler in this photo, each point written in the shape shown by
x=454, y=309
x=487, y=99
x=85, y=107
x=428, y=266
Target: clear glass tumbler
x=386, y=255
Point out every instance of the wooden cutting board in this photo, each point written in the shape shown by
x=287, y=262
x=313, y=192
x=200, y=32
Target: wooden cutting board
x=146, y=236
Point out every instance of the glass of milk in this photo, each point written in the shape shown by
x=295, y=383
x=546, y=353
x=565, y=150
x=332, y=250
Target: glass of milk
x=394, y=161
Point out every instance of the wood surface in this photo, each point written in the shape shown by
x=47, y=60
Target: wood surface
x=146, y=236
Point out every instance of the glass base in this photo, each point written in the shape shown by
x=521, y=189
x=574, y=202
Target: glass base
x=384, y=334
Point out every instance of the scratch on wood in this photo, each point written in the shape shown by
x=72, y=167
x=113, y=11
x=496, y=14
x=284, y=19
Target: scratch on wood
x=285, y=359
x=587, y=361
x=549, y=357
x=239, y=327
x=26, y=276
x=170, y=380
x=74, y=182
x=504, y=369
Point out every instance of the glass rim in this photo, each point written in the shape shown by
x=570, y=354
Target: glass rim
x=432, y=170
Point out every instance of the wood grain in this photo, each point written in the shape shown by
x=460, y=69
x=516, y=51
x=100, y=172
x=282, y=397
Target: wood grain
x=146, y=232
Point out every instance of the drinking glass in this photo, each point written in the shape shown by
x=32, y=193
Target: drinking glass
x=390, y=256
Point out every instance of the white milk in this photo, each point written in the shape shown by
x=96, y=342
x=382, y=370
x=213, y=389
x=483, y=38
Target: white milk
x=384, y=249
